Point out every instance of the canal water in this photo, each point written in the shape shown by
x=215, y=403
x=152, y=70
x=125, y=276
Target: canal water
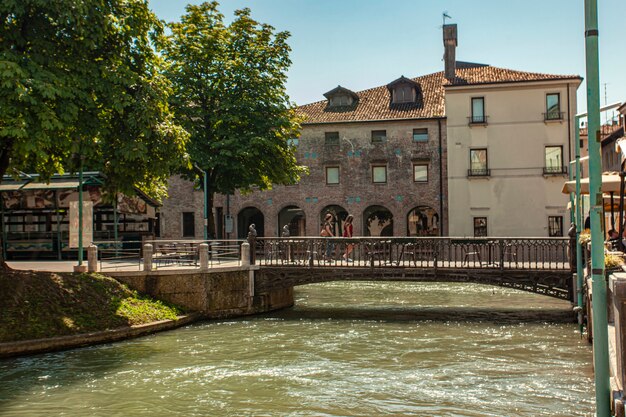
x=345, y=349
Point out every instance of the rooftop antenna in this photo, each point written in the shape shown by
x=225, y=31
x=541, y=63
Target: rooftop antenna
x=445, y=16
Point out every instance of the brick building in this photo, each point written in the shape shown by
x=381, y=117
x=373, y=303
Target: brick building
x=382, y=155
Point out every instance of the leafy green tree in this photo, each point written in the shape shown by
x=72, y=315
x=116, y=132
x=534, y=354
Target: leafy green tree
x=81, y=84
x=80, y=81
x=229, y=83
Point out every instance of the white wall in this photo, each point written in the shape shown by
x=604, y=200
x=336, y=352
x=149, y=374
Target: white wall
x=517, y=197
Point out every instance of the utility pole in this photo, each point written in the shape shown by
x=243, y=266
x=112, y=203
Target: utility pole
x=600, y=320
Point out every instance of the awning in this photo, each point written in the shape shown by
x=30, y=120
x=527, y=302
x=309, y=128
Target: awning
x=610, y=184
x=55, y=185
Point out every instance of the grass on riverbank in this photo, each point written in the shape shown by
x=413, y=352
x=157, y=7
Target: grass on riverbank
x=37, y=305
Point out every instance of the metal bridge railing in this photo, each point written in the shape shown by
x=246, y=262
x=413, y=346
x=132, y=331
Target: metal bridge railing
x=166, y=253
x=186, y=252
x=119, y=254
x=418, y=252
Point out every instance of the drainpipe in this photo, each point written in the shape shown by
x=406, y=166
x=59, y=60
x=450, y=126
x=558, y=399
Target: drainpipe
x=441, y=219
x=569, y=130
x=599, y=301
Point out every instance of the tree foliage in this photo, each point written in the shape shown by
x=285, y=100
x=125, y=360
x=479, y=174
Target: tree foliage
x=229, y=83
x=81, y=80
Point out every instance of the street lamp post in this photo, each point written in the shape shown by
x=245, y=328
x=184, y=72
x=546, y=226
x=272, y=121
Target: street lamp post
x=205, y=183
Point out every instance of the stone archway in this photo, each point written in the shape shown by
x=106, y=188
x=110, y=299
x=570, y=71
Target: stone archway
x=248, y=216
x=294, y=217
x=422, y=221
x=377, y=221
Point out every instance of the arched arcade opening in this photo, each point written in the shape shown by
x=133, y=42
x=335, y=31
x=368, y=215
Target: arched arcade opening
x=422, y=221
x=377, y=221
x=339, y=214
x=248, y=216
x=294, y=217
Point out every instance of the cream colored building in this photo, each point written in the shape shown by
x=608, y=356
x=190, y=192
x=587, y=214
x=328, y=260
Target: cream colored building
x=509, y=142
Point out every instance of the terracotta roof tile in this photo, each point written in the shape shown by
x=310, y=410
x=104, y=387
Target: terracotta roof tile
x=375, y=103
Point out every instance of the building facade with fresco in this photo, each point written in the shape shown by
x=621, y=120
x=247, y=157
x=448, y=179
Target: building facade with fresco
x=40, y=220
x=473, y=150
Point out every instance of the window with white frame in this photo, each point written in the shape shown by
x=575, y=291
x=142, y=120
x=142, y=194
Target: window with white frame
x=554, y=160
x=478, y=110
x=553, y=106
x=478, y=163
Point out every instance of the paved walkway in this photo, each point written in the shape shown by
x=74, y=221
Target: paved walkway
x=68, y=266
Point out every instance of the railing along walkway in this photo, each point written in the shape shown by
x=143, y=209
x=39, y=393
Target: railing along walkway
x=166, y=254
x=415, y=252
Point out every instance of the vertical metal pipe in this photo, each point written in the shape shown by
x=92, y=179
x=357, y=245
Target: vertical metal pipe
x=441, y=195
x=80, y=213
x=206, y=205
x=579, y=223
x=599, y=301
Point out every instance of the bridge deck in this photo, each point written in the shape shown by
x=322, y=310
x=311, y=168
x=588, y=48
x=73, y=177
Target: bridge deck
x=535, y=265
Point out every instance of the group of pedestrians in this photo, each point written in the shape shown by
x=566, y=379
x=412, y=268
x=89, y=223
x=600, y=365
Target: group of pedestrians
x=327, y=231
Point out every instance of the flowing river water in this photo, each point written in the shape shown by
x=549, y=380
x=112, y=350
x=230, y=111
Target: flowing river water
x=345, y=349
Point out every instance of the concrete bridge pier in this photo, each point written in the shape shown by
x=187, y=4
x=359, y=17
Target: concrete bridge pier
x=214, y=292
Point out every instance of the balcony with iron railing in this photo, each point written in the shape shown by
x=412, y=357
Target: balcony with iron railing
x=477, y=120
x=479, y=172
x=554, y=170
x=553, y=116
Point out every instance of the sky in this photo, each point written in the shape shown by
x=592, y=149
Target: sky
x=361, y=44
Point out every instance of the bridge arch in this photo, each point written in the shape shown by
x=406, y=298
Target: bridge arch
x=422, y=221
x=377, y=221
x=293, y=216
x=339, y=214
x=248, y=216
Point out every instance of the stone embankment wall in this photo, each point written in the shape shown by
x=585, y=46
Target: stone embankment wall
x=219, y=293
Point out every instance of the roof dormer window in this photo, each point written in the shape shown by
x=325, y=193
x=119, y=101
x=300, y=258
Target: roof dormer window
x=341, y=100
x=403, y=90
x=341, y=96
x=403, y=94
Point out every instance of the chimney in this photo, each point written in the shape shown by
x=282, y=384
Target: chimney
x=449, y=55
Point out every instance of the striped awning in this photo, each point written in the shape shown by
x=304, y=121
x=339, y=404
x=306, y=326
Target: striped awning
x=53, y=185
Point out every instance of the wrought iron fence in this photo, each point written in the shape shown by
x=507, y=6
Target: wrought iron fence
x=418, y=252
x=119, y=254
x=186, y=252
x=166, y=253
